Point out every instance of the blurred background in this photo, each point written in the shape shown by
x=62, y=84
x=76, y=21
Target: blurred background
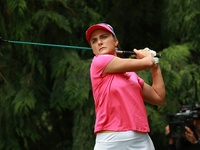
x=46, y=100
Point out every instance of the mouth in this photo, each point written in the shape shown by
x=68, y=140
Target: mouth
x=102, y=48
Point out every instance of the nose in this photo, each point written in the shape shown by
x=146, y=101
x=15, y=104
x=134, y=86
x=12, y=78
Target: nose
x=100, y=42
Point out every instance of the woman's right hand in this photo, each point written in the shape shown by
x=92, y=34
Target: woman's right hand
x=140, y=54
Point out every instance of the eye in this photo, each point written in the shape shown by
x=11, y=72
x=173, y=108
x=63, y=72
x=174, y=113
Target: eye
x=93, y=41
x=104, y=36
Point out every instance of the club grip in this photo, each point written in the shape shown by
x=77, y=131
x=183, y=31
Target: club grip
x=133, y=53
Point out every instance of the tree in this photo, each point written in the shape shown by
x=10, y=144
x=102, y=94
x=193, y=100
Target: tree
x=180, y=59
x=42, y=88
x=46, y=98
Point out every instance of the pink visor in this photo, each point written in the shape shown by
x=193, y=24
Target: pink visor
x=104, y=26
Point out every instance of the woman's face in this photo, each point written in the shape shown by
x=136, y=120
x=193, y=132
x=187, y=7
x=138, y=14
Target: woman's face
x=103, y=42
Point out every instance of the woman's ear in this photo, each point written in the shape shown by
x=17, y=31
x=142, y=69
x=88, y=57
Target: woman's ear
x=116, y=42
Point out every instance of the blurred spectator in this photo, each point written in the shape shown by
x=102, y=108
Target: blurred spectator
x=191, y=139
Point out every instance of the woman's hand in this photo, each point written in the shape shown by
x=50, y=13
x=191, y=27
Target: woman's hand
x=140, y=54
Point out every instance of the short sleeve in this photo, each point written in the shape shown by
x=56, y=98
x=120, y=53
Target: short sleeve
x=140, y=80
x=99, y=63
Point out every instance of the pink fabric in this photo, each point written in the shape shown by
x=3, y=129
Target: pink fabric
x=118, y=99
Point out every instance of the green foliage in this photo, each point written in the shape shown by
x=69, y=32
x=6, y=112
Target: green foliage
x=44, y=17
x=181, y=29
x=45, y=92
x=83, y=132
x=40, y=85
x=23, y=101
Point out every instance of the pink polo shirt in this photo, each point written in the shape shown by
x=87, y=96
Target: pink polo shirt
x=118, y=98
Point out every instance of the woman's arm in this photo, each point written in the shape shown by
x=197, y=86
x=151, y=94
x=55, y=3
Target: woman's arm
x=155, y=94
x=119, y=65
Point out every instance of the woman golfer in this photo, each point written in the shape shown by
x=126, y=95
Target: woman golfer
x=119, y=94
